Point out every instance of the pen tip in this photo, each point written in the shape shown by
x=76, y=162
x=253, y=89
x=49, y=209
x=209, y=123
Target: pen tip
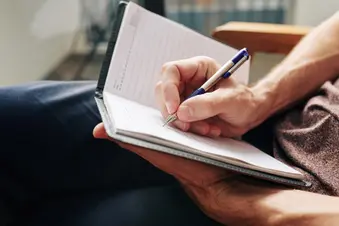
x=169, y=119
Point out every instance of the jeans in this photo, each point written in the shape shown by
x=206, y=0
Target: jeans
x=53, y=172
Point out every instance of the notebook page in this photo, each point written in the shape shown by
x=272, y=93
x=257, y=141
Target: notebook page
x=146, y=41
x=137, y=118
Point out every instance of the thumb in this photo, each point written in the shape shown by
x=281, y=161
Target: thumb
x=100, y=132
x=202, y=107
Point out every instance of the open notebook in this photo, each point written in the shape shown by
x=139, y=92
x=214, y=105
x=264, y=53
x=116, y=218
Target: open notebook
x=140, y=44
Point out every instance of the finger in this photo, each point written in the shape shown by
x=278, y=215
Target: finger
x=205, y=128
x=226, y=129
x=184, y=126
x=171, y=97
x=181, y=88
x=215, y=131
x=100, y=132
x=230, y=131
x=209, y=104
x=201, y=128
x=195, y=69
x=160, y=100
x=202, y=107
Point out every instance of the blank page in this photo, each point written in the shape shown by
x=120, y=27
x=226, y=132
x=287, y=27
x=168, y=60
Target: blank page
x=139, y=119
x=146, y=41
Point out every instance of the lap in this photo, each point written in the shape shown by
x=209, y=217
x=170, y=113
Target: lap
x=48, y=149
x=47, y=131
x=147, y=207
x=54, y=171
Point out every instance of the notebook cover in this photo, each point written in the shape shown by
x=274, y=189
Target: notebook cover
x=110, y=129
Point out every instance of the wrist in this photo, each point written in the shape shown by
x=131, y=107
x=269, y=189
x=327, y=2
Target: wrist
x=238, y=201
x=264, y=96
x=243, y=201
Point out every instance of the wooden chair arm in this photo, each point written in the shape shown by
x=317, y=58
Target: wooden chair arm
x=260, y=37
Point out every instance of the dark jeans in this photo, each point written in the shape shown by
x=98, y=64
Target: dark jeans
x=53, y=172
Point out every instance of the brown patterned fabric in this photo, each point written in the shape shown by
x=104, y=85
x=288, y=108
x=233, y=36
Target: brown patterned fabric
x=307, y=137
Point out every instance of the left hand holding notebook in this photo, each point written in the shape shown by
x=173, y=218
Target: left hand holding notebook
x=202, y=182
x=219, y=193
x=230, y=109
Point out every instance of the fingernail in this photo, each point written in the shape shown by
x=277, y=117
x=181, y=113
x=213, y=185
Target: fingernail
x=170, y=108
x=182, y=125
x=215, y=132
x=185, y=112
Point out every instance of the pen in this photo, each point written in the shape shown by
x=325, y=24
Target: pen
x=224, y=72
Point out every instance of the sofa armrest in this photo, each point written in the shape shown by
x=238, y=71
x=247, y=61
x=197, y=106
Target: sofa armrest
x=260, y=37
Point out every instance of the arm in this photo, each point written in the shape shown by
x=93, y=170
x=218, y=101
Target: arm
x=312, y=62
x=243, y=202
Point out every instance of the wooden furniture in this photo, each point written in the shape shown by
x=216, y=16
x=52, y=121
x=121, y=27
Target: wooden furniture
x=260, y=37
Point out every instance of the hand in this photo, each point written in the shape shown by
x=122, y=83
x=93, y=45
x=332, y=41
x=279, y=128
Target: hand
x=226, y=197
x=231, y=109
x=202, y=182
x=183, y=169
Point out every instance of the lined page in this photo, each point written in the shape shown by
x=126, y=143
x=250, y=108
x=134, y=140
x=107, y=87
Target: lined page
x=146, y=41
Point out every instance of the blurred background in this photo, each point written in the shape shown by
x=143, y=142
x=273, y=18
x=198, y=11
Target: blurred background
x=67, y=39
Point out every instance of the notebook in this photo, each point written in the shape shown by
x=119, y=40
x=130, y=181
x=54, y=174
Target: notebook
x=141, y=42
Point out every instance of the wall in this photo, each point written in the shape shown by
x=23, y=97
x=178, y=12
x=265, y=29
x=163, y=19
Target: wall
x=305, y=13
x=35, y=36
x=311, y=13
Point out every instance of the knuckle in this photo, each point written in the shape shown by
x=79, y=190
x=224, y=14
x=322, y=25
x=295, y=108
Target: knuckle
x=158, y=87
x=170, y=72
x=167, y=66
x=207, y=60
x=207, y=64
x=204, y=130
x=201, y=65
x=204, y=59
x=216, y=104
x=168, y=88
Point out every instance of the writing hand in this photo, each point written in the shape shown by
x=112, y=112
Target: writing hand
x=230, y=110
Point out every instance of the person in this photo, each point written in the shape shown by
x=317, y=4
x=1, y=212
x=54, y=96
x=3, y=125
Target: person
x=59, y=167
x=303, y=91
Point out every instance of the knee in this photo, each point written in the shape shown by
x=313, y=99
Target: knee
x=37, y=103
x=31, y=98
x=16, y=101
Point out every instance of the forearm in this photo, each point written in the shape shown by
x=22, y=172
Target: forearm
x=275, y=207
x=312, y=62
x=255, y=204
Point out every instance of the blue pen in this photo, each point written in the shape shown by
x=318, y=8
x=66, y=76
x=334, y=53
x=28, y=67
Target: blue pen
x=224, y=72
